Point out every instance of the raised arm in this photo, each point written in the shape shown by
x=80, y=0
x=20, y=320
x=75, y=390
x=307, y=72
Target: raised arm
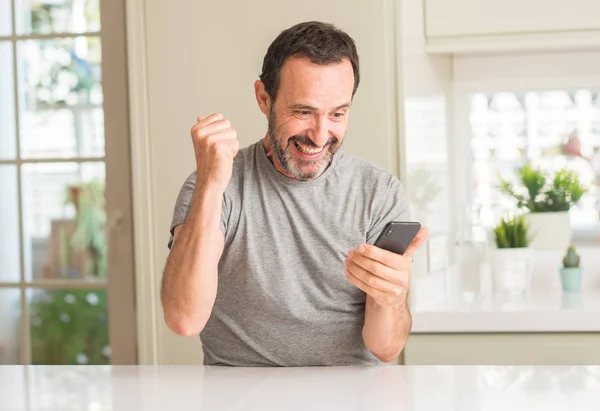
x=189, y=285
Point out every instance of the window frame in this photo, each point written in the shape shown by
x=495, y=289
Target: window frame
x=119, y=284
x=518, y=80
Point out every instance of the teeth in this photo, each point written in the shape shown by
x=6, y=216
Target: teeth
x=307, y=150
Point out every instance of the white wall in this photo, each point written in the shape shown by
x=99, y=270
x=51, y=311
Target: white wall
x=426, y=84
x=527, y=71
x=204, y=57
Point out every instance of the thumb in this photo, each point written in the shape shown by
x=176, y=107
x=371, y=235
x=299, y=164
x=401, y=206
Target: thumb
x=235, y=147
x=419, y=240
x=199, y=118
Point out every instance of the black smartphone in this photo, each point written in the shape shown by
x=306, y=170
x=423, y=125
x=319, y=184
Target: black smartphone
x=397, y=236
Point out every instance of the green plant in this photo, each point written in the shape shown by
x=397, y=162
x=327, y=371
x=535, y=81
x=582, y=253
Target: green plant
x=571, y=259
x=42, y=16
x=512, y=233
x=90, y=232
x=69, y=327
x=540, y=193
x=67, y=77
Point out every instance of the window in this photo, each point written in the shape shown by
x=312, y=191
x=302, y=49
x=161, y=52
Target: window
x=53, y=213
x=551, y=129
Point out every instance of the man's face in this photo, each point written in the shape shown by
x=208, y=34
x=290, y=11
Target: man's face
x=309, y=118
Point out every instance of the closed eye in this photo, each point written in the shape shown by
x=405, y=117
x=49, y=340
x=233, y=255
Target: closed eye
x=302, y=113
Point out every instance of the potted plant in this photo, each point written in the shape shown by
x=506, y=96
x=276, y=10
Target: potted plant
x=548, y=199
x=90, y=231
x=570, y=274
x=69, y=327
x=512, y=260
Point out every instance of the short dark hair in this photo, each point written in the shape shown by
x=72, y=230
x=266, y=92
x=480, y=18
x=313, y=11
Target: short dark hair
x=322, y=43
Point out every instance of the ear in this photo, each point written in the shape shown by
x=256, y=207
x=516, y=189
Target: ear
x=262, y=98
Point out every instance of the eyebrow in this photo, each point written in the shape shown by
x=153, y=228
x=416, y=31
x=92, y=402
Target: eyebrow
x=307, y=107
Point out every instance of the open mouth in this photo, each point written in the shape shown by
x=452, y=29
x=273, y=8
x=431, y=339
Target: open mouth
x=307, y=152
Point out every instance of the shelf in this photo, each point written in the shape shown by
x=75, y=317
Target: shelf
x=550, y=41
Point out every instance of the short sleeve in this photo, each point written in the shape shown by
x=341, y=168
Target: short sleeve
x=393, y=208
x=182, y=205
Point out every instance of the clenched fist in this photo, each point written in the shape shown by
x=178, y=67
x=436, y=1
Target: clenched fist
x=215, y=146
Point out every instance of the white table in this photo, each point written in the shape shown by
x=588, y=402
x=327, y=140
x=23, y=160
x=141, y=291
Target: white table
x=541, y=311
x=314, y=389
x=463, y=300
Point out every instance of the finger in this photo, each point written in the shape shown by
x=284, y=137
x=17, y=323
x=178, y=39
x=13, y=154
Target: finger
x=213, y=117
x=377, y=268
x=221, y=136
x=372, y=280
x=418, y=241
x=204, y=121
x=211, y=128
x=373, y=292
x=232, y=143
x=385, y=257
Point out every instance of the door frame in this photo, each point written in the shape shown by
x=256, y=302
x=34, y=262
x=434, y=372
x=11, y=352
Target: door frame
x=119, y=227
x=146, y=279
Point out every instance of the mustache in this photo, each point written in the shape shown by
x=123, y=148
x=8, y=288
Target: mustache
x=304, y=140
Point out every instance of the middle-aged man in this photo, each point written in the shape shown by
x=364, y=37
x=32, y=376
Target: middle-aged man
x=271, y=258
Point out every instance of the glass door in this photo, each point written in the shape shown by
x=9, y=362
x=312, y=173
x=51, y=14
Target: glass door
x=65, y=242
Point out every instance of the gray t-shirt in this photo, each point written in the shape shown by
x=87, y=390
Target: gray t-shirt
x=282, y=297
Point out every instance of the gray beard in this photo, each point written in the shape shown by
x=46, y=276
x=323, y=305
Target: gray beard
x=291, y=166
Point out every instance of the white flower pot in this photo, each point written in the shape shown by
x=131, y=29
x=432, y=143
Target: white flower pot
x=549, y=230
x=512, y=270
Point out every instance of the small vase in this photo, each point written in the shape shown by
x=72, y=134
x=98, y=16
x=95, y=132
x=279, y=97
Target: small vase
x=550, y=230
x=570, y=277
x=512, y=270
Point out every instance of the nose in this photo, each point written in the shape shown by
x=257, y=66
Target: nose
x=321, y=132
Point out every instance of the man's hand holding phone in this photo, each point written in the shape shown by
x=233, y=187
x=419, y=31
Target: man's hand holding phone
x=383, y=274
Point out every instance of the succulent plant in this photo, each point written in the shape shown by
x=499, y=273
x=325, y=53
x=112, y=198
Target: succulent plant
x=571, y=259
x=512, y=233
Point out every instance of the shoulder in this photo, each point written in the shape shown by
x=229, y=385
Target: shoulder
x=244, y=159
x=367, y=173
x=243, y=164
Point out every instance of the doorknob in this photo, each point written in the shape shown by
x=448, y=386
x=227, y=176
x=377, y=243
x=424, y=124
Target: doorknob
x=115, y=222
